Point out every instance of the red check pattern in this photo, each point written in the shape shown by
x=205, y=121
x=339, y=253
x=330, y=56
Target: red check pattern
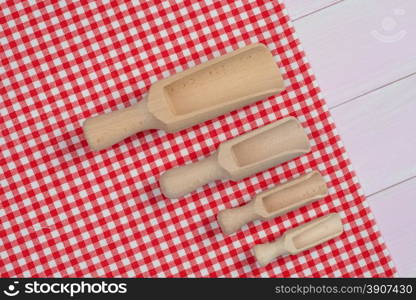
x=67, y=211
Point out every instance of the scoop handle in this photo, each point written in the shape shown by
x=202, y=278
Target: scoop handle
x=108, y=129
x=267, y=252
x=233, y=219
x=182, y=180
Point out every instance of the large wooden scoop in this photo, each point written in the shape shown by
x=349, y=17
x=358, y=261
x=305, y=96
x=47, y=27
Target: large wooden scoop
x=203, y=92
x=240, y=157
x=300, y=238
x=275, y=202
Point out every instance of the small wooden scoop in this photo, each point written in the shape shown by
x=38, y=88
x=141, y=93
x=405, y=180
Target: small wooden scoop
x=240, y=157
x=203, y=92
x=300, y=238
x=275, y=202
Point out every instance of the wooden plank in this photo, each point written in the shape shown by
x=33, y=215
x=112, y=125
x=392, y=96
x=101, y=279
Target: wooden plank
x=301, y=8
x=394, y=210
x=377, y=128
x=379, y=132
x=356, y=46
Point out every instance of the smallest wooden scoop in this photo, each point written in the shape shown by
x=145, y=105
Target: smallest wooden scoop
x=240, y=157
x=300, y=238
x=275, y=202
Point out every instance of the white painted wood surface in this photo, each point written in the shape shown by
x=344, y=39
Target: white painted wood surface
x=379, y=132
x=394, y=210
x=301, y=8
x=346, y=45
x=364, y=56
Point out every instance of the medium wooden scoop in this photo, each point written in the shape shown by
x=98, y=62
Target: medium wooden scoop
x=275, y=202
x=203, y=92
x=300, y=238
x=240, y=157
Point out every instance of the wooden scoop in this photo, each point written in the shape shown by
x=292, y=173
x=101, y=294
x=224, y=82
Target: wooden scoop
x=240, y=157
x=300, y=238
x=275, y=202
x=203, y=92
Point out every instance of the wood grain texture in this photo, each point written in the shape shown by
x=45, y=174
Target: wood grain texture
x=378, y=130
x=362, y=53
x=347, y=45
x=394, y=210
x=301, y=8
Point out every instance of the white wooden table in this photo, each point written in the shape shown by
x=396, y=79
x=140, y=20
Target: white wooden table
x=363, y=53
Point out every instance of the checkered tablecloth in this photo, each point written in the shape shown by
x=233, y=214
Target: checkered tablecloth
x=67, y=211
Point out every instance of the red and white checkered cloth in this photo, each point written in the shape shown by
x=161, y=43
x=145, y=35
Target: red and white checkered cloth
x=67, y=211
